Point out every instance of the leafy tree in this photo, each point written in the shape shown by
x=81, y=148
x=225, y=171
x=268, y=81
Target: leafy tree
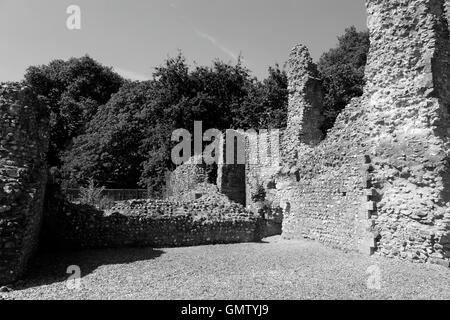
x=109, y=151
x=276, y=99
x=266, y=105
x=128, y=142
x=74, y=90
x=119, y=133
x=342, y=71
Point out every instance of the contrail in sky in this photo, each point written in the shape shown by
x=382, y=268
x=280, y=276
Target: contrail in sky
x=213, y=40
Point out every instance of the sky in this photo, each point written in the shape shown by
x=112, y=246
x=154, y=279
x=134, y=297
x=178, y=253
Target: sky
x=135, y=36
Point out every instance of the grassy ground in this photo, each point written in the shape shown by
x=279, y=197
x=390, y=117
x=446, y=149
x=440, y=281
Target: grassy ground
x=276, y=269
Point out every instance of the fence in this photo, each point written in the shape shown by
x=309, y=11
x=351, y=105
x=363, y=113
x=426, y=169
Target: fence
x=113, y=194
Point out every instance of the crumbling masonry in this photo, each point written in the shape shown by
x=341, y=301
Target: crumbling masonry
x=305, y=101
x=378, y=183
x=380, y=180
x=23, y=175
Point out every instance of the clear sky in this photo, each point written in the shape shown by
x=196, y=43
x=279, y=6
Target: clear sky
x=134, y=36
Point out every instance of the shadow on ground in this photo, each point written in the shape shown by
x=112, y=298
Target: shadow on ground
x=50, y=267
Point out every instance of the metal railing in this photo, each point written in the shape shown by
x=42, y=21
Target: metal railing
x=112, y=194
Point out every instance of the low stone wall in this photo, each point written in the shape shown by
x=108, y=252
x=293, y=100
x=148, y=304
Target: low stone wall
x=23, y=175
x=153, y=224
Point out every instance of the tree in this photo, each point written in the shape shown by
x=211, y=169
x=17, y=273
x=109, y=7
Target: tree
x=266, y=105
x=128, y=142
x=110, y=149
x=74, y=90
x=122, y=138
x=342, y=71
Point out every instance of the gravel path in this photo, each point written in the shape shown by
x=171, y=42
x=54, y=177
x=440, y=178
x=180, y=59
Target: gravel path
x=276, y=269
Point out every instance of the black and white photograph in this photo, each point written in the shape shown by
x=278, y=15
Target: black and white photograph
x=224, y=154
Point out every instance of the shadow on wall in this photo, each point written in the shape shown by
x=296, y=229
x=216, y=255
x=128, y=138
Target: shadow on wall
x=50, y=267
x=445, y=243
x=273, y=229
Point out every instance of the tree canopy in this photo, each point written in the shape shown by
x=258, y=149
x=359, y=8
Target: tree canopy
x=342, y=72
x=128, y=142
x=74, y=90
x=119, y=132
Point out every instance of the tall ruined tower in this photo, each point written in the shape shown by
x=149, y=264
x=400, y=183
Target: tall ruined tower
x=23, y=174
x=305, y=101
x=380, y=181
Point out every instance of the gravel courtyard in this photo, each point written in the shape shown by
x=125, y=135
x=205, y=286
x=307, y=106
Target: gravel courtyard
x=275, y=269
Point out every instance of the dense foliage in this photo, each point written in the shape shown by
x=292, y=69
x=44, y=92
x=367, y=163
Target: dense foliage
x=265, y=106
x=128, y=142
x=342, y=71
x=74, y=90
x=119, y=132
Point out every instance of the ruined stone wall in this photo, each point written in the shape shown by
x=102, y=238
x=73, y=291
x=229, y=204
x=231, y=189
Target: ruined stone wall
x=263, y=161
x=256, y=165
x=231, y=173
x=23, y=175
x=326, y=194
x=231, y=182
x=186, y=178
x=324, y=189
x=153, y=223
x=408, y=94
x=305, y=101
x=400, y=130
